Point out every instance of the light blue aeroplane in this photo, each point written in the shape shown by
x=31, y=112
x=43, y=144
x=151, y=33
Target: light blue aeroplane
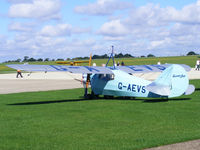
x=120, y=80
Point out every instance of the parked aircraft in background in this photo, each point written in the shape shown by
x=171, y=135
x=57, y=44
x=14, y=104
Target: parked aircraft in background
x=76, y=63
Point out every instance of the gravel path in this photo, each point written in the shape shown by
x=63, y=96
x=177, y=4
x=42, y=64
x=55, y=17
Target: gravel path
x=21, y=85
x=191, y=145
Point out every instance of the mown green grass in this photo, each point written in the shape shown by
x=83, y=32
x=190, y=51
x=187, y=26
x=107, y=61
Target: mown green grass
x=5, y=69
x=188, y=60
x=63, y=120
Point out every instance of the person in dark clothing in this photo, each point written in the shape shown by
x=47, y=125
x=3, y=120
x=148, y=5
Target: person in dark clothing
x=19, y=73
x=122, y=64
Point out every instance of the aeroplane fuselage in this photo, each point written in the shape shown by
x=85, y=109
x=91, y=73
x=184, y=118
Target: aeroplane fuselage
x=119, y=84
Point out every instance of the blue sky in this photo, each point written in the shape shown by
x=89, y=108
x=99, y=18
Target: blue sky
x=67, y=29
x=164, y=3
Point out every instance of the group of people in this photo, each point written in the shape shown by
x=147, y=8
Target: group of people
x=122, y=63
x=197, y=67
x=118, y=64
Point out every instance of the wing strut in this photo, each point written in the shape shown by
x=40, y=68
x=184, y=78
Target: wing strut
x=111, y=56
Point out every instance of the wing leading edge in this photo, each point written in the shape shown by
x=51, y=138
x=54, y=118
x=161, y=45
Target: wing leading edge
x=62, y=68
x=148, y=68
x=93, y=69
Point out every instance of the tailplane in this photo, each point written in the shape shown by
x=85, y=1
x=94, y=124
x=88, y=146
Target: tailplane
x=172, y=82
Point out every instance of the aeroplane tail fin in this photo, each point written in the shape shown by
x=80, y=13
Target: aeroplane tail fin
x=172, y=82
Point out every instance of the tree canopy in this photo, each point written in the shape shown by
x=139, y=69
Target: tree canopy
x=191, y=53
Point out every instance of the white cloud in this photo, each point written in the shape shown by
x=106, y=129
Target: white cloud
x=62, y=30
x=78, y=30
x=36, y=45
x=21, y=27
x=152, y=29
x=39, y=9
x=58, y=30
x=146, y=29
x=157, y=43
x=160, y=44
x=110, y=38
x=188, y=14
x=102, y=7
x=113, y=28
x=150, y=15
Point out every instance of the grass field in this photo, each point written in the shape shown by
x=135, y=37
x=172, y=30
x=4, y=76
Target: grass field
x=189, y=60
x=61, y=120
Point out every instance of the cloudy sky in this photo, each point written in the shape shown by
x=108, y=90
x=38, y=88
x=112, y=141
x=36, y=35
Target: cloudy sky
x=70, y=28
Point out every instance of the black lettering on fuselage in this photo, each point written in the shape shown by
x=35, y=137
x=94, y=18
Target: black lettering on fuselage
x=120, y=85
x=132, y=87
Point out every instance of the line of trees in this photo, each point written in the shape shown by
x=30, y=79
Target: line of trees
x=27, y=59
x=120, y=55
x=192, y=53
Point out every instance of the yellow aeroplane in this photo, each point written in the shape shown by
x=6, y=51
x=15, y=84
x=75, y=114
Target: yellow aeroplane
x=76, y=63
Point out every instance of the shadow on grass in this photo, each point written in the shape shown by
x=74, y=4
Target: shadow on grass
x=50, y=102
x=197, y=89
x=156, y=100
x=164, y=100
x=102, y=98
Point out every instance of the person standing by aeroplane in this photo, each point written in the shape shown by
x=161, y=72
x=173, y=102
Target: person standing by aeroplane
x=19, y=73
x=197, y=65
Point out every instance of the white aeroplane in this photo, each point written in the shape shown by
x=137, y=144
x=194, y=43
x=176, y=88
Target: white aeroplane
x=120, y=80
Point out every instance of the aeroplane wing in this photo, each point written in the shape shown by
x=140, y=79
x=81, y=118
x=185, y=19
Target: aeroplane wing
x=62, y=68
x=93, y=69
x=148, y=68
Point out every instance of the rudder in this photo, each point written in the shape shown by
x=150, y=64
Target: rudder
x=172, y=82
